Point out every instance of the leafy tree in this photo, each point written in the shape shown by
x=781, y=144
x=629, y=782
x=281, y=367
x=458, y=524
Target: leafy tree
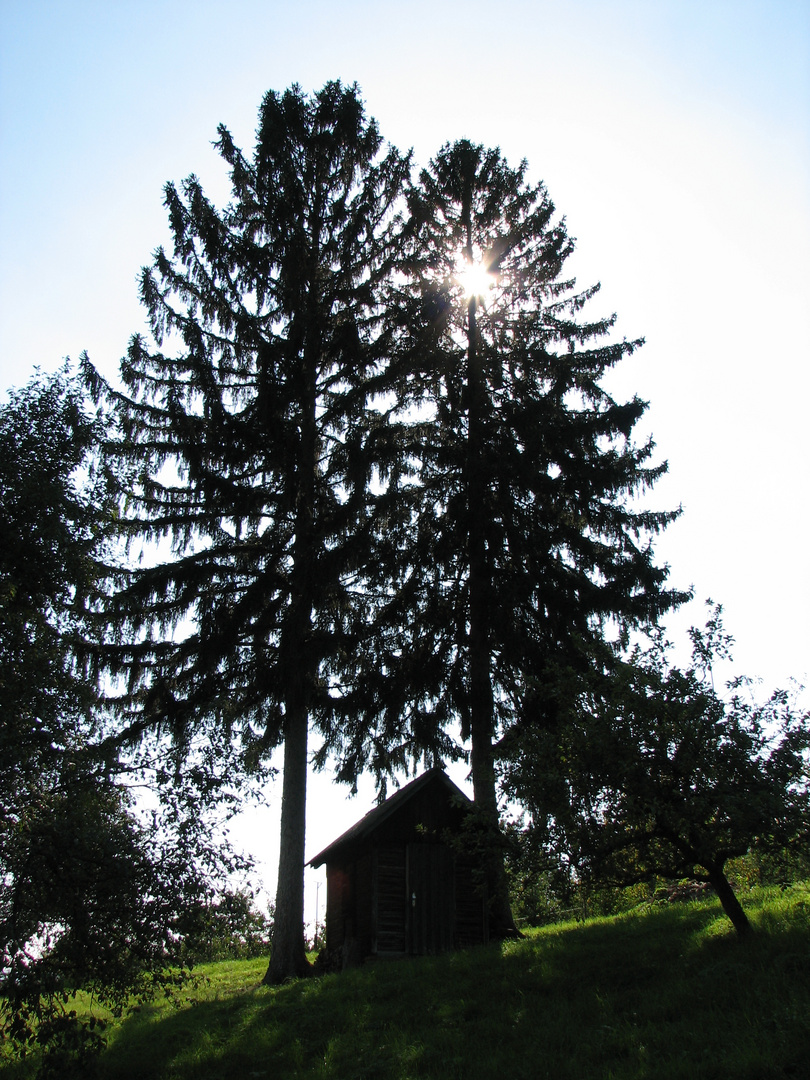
x=247, y=442
x=89, y=895
x=653, y=772
x=225, y=926
x=92, y=900
x=51, y=526
x=512, y=541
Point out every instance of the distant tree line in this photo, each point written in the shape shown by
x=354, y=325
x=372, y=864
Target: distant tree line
x=361, y=496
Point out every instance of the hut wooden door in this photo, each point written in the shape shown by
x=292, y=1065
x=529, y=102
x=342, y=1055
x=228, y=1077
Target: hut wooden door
x=431, y=899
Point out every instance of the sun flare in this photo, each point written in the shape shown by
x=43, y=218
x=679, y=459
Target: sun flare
x=473, y=276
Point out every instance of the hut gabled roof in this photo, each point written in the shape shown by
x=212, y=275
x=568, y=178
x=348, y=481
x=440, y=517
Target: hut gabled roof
x=363, y=828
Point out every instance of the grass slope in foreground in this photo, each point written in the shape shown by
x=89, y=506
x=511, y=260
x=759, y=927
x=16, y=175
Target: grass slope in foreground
x=662, y=993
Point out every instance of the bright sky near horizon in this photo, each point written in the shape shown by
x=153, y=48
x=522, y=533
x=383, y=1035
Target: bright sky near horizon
x=674, y=136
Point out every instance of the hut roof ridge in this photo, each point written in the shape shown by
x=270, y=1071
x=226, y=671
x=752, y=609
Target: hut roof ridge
x=380, y=813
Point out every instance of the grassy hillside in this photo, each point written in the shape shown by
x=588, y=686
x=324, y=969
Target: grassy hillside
x=662, y=993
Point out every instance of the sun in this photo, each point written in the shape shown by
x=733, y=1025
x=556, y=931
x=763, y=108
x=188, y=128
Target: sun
x=472, y=275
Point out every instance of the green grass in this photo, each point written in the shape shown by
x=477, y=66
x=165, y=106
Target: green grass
x=658, y=993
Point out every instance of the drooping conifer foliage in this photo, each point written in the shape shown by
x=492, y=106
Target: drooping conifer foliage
x=515, y=541
x=244, y=427
x=389, y=494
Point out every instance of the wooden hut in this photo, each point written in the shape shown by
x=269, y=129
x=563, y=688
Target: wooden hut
x=396, y=886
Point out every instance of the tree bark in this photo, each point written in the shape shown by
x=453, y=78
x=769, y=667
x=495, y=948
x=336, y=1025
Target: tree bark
x=288, y=947
x=288, y=951
x=731, y=905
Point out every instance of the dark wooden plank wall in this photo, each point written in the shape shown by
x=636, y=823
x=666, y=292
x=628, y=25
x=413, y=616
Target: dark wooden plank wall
x=338, y=905
x=390, y=914
x=363, y=885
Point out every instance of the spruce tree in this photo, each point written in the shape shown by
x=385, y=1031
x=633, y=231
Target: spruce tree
x=515, y=543
x=246, y=440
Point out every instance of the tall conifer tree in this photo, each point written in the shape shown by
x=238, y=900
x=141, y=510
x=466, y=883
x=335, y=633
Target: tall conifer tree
x=246, y=439
x=516, y=541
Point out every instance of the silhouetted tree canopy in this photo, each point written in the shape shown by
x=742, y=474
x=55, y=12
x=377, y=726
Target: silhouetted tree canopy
x=246, y=426
x=651, y=771
x=90, y=892
x=380, y=503
x=514, y=540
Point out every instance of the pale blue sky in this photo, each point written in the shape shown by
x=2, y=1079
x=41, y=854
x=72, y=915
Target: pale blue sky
x=674, y=135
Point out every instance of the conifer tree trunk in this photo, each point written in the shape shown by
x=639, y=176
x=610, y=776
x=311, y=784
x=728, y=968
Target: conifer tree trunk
x=482, y=719
x=526, y=543
x=288, y=948
x=288, y=955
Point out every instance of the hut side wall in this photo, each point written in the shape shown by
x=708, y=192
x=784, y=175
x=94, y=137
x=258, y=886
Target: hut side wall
x=339, y=904
x=349, y=898
x=363, y=877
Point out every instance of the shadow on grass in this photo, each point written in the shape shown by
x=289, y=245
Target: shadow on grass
x=667, y=993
